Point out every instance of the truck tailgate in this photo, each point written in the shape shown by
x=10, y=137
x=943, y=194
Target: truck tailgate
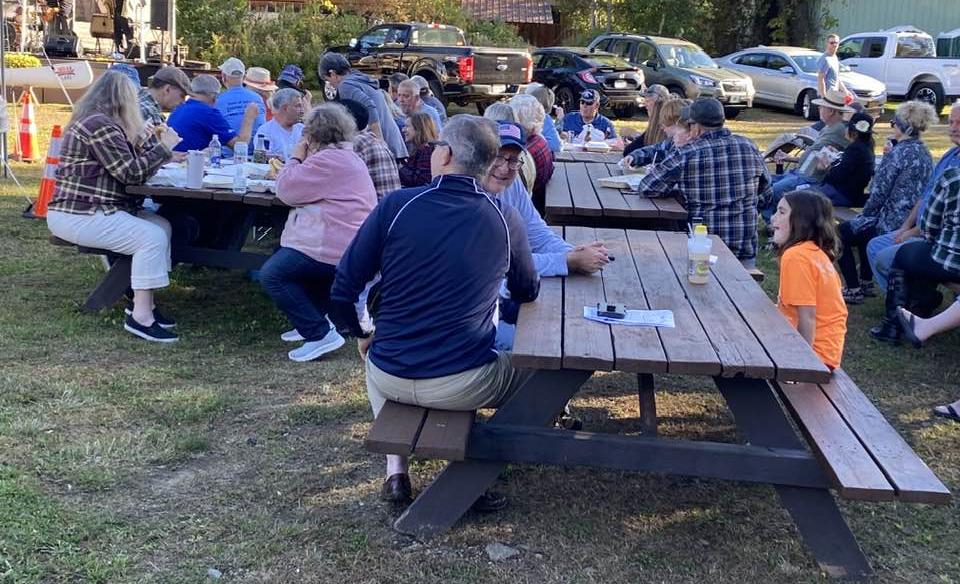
x=498, y=66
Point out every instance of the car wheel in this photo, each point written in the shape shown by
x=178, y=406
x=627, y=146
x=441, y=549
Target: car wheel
x=808, y=109
x=566, y=99
x=931, y=93
x=731, y=113
x=625, y=112
x=678, y=91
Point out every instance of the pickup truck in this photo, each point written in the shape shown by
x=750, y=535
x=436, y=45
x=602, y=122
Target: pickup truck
x=456, y=72
x=905, y=59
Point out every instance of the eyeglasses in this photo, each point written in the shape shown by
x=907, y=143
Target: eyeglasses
x=512, y=163
x=438, y=143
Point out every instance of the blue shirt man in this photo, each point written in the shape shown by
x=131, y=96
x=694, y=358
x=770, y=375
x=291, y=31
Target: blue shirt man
x=232, y=103
x=589, y=113
x=197, y=123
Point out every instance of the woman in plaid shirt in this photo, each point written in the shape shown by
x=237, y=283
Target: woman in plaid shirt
x=107, y=146
x=920, y=266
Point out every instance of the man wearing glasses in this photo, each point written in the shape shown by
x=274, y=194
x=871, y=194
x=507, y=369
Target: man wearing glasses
x=442, y=251
x=828, y=69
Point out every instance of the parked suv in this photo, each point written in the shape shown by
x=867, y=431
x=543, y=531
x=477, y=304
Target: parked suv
x=682, y=67
x=570, y=70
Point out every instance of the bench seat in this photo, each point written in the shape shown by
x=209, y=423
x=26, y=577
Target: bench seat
x=404, y=430
x=845, y=213
x=862, y=454
x=114, y=283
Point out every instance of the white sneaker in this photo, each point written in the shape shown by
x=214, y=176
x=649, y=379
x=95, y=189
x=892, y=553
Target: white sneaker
x=313, y=349
x=291, y=336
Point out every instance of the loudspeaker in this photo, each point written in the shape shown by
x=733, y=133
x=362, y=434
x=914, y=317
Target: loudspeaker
x=160, y=14
x=61, y=45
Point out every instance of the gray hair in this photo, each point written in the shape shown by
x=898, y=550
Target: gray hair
x=329, y=124
x=500, y=112
x=474, y=143
x=918, y=115
x=397, y=78
x=333, y=62
x=284, y=96
x=421, y=82
x=544, y=95
x=115, y=96
x=529, y=112
x=411, y=85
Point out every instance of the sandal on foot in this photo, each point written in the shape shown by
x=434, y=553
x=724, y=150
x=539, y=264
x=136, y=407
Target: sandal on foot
x=852, y=296
x=868, y=289
x=906, y=323
x=947, y=411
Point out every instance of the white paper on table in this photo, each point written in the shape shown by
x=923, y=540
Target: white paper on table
x=655, y=318
x=623, y=181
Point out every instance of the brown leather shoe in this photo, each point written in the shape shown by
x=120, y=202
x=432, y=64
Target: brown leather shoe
x=397, y=490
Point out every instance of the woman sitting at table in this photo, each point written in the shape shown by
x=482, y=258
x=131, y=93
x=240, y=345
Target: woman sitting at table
x=331, y=193
x=654, y=97
x=669, y=118
x=106, y=147
x=420, y=132
x=895, y=189
x=530, y=116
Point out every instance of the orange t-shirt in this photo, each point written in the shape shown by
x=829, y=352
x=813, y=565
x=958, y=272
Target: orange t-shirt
x=808, y=278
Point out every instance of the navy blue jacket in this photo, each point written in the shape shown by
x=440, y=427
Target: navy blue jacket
x=442, y=251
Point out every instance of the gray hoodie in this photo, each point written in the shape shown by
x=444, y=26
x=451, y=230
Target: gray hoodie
x=364, y=89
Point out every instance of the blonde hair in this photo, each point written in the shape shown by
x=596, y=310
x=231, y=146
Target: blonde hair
x=918, y=115
x=114, y=96
x=529, y=113
x=328, y=124
x=424, y=129
x=655, y=126
x=670, y=111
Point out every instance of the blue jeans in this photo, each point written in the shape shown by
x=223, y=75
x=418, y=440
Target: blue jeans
x=880, y=253
x=300, y=286
x=783, y=184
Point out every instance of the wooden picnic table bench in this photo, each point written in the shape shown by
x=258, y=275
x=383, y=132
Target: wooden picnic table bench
x=573, y=197
x=727, y=329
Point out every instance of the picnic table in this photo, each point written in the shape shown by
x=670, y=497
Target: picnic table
x=573, y=197
x=727, y=330
x=584, y=156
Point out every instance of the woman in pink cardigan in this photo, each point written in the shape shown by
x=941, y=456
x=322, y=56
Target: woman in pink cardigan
x=331, y=193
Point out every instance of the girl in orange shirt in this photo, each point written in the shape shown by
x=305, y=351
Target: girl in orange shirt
x=810, y=289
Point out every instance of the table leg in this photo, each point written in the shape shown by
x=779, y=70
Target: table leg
x=648, y=403
x=762, y=420
x=455, y=489
x=112, y=287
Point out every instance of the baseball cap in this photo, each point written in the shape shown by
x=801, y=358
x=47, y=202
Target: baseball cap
x=511, y=134
x=588, y=96
x=173, y=76
x=233, y=67
x=706, y=111
x=290, y=76
x=128, y=70
x=205, y=85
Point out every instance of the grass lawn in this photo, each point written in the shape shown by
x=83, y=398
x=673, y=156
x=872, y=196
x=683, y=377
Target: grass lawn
x=123, y=461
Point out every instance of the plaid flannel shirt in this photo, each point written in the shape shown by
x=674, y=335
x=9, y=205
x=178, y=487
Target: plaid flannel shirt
x=940, y=222
x=96, y=164
x=720, y=177
x=416, y=172
x=149, y=108
x=543, y=161
x=380, y=162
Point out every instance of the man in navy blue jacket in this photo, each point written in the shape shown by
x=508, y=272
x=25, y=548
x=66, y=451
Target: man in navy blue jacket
x=441, y=251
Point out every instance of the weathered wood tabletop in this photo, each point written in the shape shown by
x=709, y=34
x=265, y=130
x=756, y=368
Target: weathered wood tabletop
x=573, y=197
x=582, y=156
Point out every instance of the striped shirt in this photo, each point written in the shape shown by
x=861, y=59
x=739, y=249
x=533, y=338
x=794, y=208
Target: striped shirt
x=720, y=177
x=96, y=164
x=940, y=222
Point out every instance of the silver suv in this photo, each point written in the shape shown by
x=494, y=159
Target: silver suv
x=682, y=67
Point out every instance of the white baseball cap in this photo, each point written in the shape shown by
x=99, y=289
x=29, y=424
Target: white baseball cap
x=233, y=67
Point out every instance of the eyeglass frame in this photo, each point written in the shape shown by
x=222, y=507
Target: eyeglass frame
x=512, y=164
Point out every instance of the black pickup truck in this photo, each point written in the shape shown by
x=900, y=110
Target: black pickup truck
x=457, y=73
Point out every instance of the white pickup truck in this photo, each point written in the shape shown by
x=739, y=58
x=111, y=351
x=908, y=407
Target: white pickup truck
x=905, y=59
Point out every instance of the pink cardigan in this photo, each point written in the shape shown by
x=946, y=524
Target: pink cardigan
x=331, y=194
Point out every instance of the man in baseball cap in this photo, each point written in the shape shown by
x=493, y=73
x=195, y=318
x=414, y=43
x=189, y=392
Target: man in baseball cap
x=165, y=91
x=235, y=98
x=720, y=176
x=589, y=113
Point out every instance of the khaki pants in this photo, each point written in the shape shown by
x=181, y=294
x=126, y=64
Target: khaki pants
x=489, y=386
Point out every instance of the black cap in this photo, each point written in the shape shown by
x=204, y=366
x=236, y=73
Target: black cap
x=706, y=111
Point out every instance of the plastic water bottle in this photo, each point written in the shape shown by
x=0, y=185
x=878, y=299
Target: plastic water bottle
x=215, y=151
x=239, y=179
x=698, y=255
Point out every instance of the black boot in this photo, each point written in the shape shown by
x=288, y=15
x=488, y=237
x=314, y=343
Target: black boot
x=889, y=329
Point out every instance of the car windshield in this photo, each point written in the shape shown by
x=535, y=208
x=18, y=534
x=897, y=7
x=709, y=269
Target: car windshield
x=607, y=61
x=689, y=56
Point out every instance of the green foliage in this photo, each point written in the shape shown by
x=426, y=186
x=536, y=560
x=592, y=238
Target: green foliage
x=20, y=60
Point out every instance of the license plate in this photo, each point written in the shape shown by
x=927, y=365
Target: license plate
x=498, y=89
x=734, y=99
x=619, y=84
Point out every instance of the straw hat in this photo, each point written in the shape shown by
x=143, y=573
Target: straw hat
x=260, y=78
x=835, y=100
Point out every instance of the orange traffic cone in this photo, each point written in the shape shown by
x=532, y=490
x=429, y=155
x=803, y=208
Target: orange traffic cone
x=28, y=149
x=49, y=178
